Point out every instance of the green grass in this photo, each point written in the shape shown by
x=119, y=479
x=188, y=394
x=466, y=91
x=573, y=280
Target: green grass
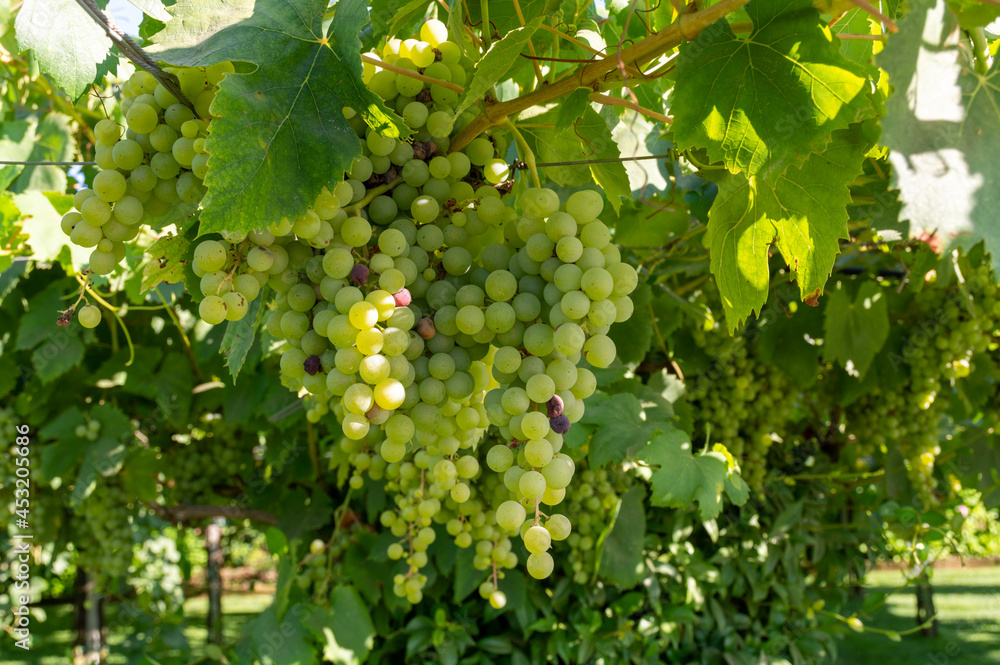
x=967, y=601
x=53, y=635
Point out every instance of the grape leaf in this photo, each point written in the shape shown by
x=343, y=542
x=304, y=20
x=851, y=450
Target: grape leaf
x=801, y=210
x=788, y=341
x=11, y=239
x=572, y=106
x=771, y=96
x=53, y=142
x=240, y=334
x=69, y=45
x=152, y=8
x=295, y=646
x=856, y=331
x=620, y=427
x=16, y=141
x=974, y=13
x=588, y=139
x=39, y=322
x=61, y=354
x=392, y=17
x=41, y=224
x=859, y=22
x=634, y=340
x=497, y=62
x=352, y=628
x=270, y=122
x=652, y=223
x=621, y=555
x=942, y=125
x=166, y=259
x=682, y=478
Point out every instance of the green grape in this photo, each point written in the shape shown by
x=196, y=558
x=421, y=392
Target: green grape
x=141, y=118
x=540, y=565
x=109, y=185
x=89, y=316
x=479, y=151
x=212, y=310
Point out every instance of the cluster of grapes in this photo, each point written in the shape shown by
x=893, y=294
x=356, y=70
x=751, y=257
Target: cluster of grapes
x=739, y=401
x=313, y=572
x=411, y=290
x=8, y=435
x=105, y=541
x=159, y=161
x=205, y=457
x=90, y=431
x=590, y=506
x=908, y=417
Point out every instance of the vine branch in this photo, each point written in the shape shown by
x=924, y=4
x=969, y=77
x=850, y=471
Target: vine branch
x=687, y=27
x=186, y=512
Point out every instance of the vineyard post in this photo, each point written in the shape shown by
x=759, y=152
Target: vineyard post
x=213, y=538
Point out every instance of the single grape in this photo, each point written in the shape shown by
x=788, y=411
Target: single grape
x=89, y=316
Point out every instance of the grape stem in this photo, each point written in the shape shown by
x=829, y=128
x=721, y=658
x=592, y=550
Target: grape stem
x=133, y=51
x=572, y=40
x=526, y=155
x=114, y=312
x=531, y=47
x=487, y=26
x=372, y=194
x=614, y=101
x=180, y=329
x=980, y=50
x=338, y=519
x=686, y=27
x=411, y=74
x=868, y=7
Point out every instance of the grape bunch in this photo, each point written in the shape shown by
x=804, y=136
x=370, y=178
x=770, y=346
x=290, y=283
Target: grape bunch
x=105, y=543
x=909, y=416
x=418, y=305
x=158, y=161
x=739, y=401
x=207, y=456
x=591, y=506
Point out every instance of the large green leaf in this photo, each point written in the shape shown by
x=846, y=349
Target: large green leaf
x=771, y=96
x=621, y=555
x=680, y=477
x=16, y=142
x=284, y=641
x=497, y=61
x=153, y=8
x=166, y=259
x=280, y=135
x=69, y=45
x=942, y=124
x=856, y=331
x=352, y=631
x=41, y=225
x=620, y=426
x=52, y=142
x=802, y=210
